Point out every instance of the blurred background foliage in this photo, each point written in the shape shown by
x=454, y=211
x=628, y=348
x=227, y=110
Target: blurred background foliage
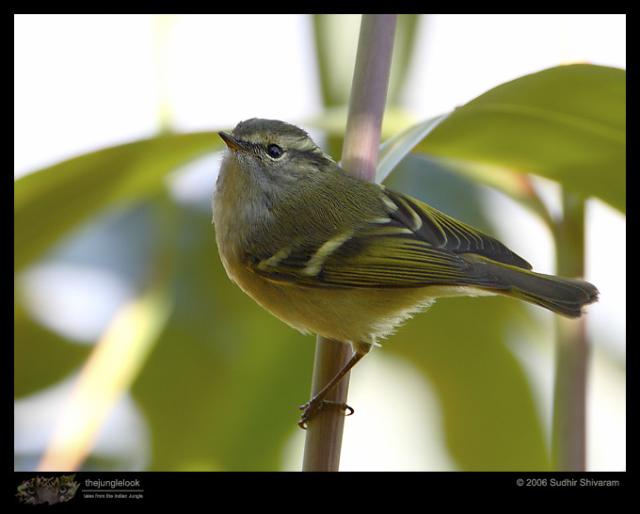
x=218, y=378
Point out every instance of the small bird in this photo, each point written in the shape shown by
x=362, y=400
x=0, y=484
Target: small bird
x=334, y=255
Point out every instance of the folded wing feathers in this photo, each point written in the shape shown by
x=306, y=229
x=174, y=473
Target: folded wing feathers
x=415, y=245
x=446, y=233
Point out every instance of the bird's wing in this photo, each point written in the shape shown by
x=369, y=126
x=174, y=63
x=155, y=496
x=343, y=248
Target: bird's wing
x=413, y=245
x=445, y=232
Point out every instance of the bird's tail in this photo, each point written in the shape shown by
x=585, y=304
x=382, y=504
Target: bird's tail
x=564, y=296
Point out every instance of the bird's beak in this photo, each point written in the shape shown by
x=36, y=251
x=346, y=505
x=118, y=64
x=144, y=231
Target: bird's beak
x=231, y=142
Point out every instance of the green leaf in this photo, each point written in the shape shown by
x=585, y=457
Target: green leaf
x=516, y=185
x=397, y=148
x=565, y=123
x=403, y=49
x=41, y=357
x=336, y=42
x=54, y=200
x=490, y=417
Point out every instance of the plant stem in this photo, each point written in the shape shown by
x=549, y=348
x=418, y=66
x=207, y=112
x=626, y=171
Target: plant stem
x=359, y=156
x=368, y=95
x=568, y=448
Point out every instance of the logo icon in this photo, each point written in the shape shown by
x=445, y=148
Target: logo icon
x=47, y=490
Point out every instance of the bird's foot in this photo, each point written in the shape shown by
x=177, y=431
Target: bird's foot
x=315, y=405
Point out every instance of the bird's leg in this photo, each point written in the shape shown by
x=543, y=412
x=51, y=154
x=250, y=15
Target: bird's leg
x=310, y=408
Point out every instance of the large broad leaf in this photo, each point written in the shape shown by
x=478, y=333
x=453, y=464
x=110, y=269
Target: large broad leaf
x=516, y=185
x=54, y=200
x=41, y=357
x=565, y=123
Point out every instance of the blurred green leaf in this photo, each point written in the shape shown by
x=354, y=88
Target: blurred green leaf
x=565, y=123
x=41, y=357
x=52, y=201
x=336, y=44
x=403, y=50
x=490, y=417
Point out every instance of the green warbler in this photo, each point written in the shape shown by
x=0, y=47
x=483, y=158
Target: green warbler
x=349, y=260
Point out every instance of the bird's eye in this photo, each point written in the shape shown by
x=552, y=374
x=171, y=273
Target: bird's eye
x=274, y=151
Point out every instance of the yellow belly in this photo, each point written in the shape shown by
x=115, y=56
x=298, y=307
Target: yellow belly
x=344, y=314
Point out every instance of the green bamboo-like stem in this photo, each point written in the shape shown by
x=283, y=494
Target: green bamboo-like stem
x=568, y=446
x=359, y=156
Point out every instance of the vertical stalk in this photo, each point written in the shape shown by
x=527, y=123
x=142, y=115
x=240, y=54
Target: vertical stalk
x=568, y=447
x=359, y=156
x=162, y=28
x=324, y=431
x=368, y=95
